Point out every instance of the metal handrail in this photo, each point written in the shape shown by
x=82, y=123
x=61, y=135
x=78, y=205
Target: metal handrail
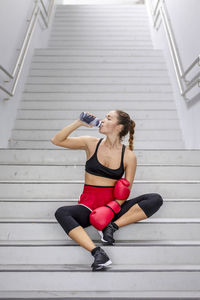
x=184, y=85
x=26, y=42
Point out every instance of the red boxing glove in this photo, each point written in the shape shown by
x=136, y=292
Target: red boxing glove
x=121, y=190
x=101, y=216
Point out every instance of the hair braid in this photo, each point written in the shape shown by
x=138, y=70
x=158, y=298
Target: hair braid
x=129, y=125
x=131, y=134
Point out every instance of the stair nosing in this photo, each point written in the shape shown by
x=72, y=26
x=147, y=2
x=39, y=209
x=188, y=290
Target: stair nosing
x=148, y=220
x=86, y=268
x=125, y=243
x=82, y=181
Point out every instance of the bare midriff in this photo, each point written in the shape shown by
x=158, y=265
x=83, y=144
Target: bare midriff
x=98, y=180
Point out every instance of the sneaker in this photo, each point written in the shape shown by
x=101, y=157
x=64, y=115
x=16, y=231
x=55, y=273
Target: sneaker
x=107, y=233
x=101, y=259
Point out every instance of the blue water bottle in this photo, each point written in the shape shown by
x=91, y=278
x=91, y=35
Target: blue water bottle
x=89, y=119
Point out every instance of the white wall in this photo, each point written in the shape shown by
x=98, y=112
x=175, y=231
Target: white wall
x=13, y=26
x=185, y=21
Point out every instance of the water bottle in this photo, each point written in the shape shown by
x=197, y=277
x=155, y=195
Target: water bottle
x=89, y=119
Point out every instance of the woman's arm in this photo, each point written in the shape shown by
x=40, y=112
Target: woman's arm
x=130, y=171
x=62, y=139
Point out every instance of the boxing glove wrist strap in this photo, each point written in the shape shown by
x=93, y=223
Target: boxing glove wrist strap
x=114, y=206
x=111, y=209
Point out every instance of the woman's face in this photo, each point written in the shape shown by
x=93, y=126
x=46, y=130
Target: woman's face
x=109, y=123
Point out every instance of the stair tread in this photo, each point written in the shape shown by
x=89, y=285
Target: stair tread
x=86, y=267
x=67, y=243
x=148, y=220
x=96, y=295
x=81, y=181
x=75, y=199
x=66, y=149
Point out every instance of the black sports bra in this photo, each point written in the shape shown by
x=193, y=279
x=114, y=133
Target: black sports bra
x=94, y=167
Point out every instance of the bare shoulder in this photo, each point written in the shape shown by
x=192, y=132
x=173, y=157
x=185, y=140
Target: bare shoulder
x=91, y=140
x=90, y=145
x=129, y=157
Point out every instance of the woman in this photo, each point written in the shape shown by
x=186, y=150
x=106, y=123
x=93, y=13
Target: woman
x=102, y=172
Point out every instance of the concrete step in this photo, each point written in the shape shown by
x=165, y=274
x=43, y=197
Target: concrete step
x=63, y=105
x=163, y=81
x=183, y=157
x=104, y=38
x=109, y=7
x=99, y=10
x=96, y=36
x=43, y=209
x=42, y=144
x=100, y=88
x=158, y=114
x=97, y=80
x=101, y=22
x=63, y=242
x=148, y=229
x=120, y=295
x=141, y=27
x=103, y=96
x=99, y=66
x=85, y=268
x=99, y=44
x=145, y=53
x=147, y=135
x=76, y=255
x=64, y=189
x=58, y=124
x=100, y=31
x=69, y=14
x=76, y=172
x=130, y=20
x=109, y=14
x=115, y=12
x=99, y=72
x=104, y=13
x=103, y=7
x=145, y=278
x=83, y=59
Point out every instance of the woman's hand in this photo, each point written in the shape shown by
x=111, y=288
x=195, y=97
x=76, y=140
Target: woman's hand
x=85, y=124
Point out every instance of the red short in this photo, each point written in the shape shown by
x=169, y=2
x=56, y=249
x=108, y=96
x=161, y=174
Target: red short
x=95, y=196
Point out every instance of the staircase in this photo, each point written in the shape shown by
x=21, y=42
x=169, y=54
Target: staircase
x=99, y=58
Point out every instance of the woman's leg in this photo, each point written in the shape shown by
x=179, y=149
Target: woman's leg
x=137, y=209
x=79, y=235
x=133, y=215
x=73, y=219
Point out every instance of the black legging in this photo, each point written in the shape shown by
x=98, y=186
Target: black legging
x=73, y=216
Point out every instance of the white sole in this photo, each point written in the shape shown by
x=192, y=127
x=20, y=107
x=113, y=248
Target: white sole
x=101, y=234
x=100, y=266
x=102, y=239
x=109, y=262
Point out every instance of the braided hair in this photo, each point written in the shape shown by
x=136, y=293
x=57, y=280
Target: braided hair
x=129, y=125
